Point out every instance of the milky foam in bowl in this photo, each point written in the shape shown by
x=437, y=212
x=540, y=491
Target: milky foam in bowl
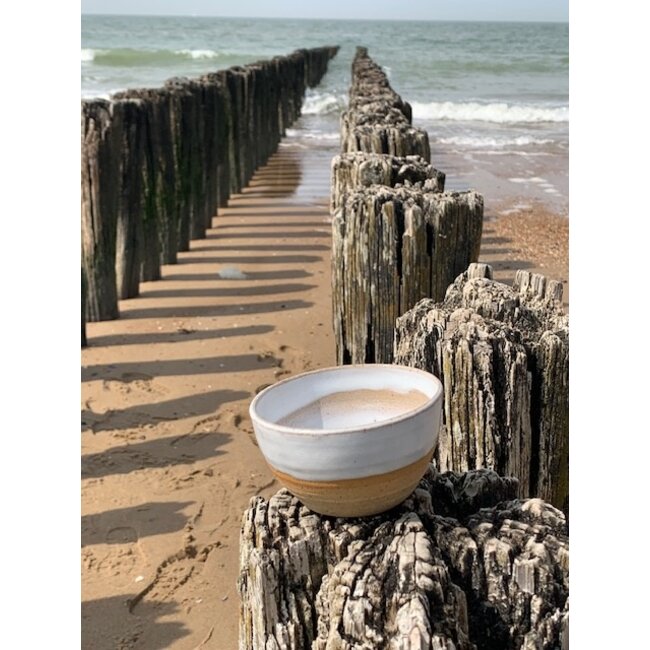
x=350, y=440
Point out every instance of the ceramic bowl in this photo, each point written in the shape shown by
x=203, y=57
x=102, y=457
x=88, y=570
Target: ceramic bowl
x=350, y=441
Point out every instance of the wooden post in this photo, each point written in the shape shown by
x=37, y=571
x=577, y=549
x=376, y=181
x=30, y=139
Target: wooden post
x=398, y=140
x=502, y=354
x=355, y=170
x=131, y=201
x=100, y=169
x=460, y=564
x=217, y=140
x=178, y=99
x=390, y=248
x=84, y=339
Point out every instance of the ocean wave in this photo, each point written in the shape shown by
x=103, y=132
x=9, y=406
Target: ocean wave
x=497, y=112
x=312, y=134
x=88, y=55
x=125, y=57
x=199, y=54
x=323, y=103
x=493, y=143
x=532, y=179
x=96, y=94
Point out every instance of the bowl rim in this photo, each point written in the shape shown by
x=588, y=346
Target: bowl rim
x=280, y=428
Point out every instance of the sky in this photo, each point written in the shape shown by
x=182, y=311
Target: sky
x=506, y=10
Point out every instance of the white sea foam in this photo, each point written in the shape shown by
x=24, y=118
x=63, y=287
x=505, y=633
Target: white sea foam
x=96, y=94
x=199, y=54
x=322, y=103
x=532, y=179
x=511, y=152
x=312, y=135
x=497, y=112
x=484, y=143
x=88, y=54
x=516, y=208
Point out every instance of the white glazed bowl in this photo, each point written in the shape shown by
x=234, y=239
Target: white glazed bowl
x=349, y=467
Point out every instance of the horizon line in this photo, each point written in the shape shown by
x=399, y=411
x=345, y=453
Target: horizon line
x=369, y=20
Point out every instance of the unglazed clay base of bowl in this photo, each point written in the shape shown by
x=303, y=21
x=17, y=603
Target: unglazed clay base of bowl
x=357, y=497
x=351, y=440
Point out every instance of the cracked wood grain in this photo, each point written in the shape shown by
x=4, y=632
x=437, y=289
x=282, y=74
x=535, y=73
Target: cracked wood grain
x=461, y=564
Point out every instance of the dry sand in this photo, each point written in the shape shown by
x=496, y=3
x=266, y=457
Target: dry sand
x=169, y=460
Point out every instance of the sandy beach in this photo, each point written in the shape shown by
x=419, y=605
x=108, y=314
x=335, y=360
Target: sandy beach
x=169, y=459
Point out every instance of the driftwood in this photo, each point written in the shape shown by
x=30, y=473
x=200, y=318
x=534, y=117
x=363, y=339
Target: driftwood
x=502, y=354
x=392, y=247
x=354, y=170
x=100, y=169
x=461, y=564
x=156, y=164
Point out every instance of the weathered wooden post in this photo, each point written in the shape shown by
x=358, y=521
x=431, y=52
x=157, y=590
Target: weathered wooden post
x=100, y=169
x=194, y=131
x=396, y=236
x=395, y=140
x=187, y=116
x=390, y=248
x=84, y=339
x=131, y=201
x=178, y=98
x=502, y=354
x=460, y=564
x=355, y=170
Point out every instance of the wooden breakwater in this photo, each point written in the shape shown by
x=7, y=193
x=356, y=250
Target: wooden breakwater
x=158, y=162
x=406, y=288
x=502, y=354
x=397, y=237
x=474, y=557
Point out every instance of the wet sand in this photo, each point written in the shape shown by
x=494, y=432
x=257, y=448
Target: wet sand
x=533, y=239
x=169, y=460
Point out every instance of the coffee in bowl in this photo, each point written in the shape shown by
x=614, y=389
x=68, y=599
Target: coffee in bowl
x=351, y=440
x=353, y=408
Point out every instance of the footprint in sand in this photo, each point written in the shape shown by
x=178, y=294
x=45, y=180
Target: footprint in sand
x=129, y=382
x=292, y=361
x=223, y=422
x=170, y=576
x=121, y=535
x=120, y=559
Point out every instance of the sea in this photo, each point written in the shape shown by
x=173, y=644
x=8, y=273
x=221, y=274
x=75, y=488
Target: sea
x=494, y=97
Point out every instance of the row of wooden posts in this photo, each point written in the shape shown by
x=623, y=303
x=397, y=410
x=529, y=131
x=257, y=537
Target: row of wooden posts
x=406, y=288
x=469, y=560
x=158, y=162
x=397, y=236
